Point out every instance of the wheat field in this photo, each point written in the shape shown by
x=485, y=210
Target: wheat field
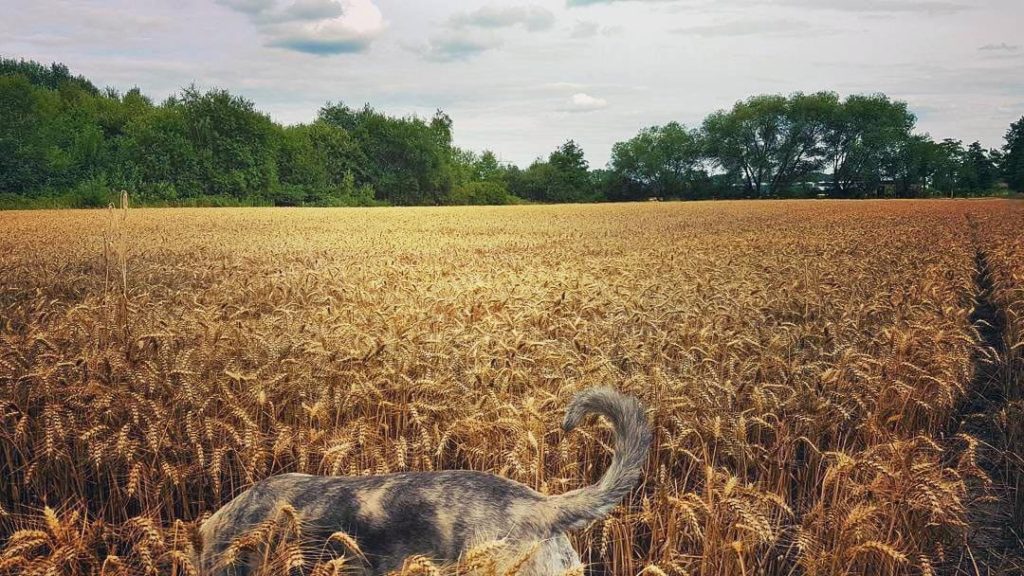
x=834, y=387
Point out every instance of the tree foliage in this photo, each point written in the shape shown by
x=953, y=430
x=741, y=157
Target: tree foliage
x=52, y=77
x=563, y=177
x=770, y=142
x=661, y=161
x=1013, y=156
x=65, y=142
x=863, y=136
x=61, y=137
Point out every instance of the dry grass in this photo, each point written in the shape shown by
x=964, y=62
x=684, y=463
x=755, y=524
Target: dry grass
x=804, y=364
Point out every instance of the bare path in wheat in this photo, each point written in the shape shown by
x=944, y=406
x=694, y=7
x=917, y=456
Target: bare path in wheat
x=995, y=543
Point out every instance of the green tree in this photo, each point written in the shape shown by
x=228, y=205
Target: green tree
x=659, y=161
x=564, y=177
x=61, y=136
x=76, y=148
x=978, y=172
x=408, y=160
x=569, y=176
x=913, y=165
x=50, y=138
x=462, y=165
x=23, y=151
x=479, y=179
x=1013, y=156
x=210, y=143
x=863, y=137
x=51, y=77
x=534, y=183
x=949, y=167
x=235, y=144
x=769, y=142
x=166, y=159
x=317, y=164
x=488, y=169
x=301, y=170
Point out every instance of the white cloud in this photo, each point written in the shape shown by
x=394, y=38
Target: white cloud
x=583, y=102
x=928, y=7
x=314, y=9
x=468, y=34
x=759, y=27
x=532, y=18
x=866, y=6
x=248, y=6
x=452, y=46
x=1001, y=47
x=587, y=29
x=322, y=27
x=574, y=3
x=562, y=87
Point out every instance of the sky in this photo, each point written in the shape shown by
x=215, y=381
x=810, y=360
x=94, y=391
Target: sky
x=520, y=78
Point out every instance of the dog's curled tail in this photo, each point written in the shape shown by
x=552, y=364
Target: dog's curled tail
x=578, y=508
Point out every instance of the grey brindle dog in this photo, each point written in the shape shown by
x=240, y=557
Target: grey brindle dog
x=441, y=515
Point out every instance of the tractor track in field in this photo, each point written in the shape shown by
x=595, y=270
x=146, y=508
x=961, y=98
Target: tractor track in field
x=994, y=545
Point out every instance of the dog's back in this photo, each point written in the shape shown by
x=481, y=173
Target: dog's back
x=391, y=517
x=439, y=515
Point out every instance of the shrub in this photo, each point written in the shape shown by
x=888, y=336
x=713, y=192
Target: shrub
x=481, y=193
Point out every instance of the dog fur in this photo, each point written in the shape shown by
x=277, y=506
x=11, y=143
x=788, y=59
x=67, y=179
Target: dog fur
x=441, y=515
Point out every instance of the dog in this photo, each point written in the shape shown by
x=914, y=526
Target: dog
x=441, y=515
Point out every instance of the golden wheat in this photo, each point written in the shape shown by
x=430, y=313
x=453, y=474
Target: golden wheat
x=805, y=365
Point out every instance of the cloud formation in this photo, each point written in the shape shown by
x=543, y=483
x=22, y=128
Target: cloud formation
x=862, y=6
x=751, y=28
x=572, y=3
x=929, y=7
x=453, y=46
x=583, y=102
x=588, y=29
x=468, y=34
x=532, y=18
x=251, y=7
x=1001, y=47
x=314, y=10
x=321, y=27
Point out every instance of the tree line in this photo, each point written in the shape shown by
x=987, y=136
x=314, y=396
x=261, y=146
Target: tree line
x=65, y=142
x=809, y=145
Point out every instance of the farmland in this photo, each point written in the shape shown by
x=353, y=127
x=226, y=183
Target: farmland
x=834, y=387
